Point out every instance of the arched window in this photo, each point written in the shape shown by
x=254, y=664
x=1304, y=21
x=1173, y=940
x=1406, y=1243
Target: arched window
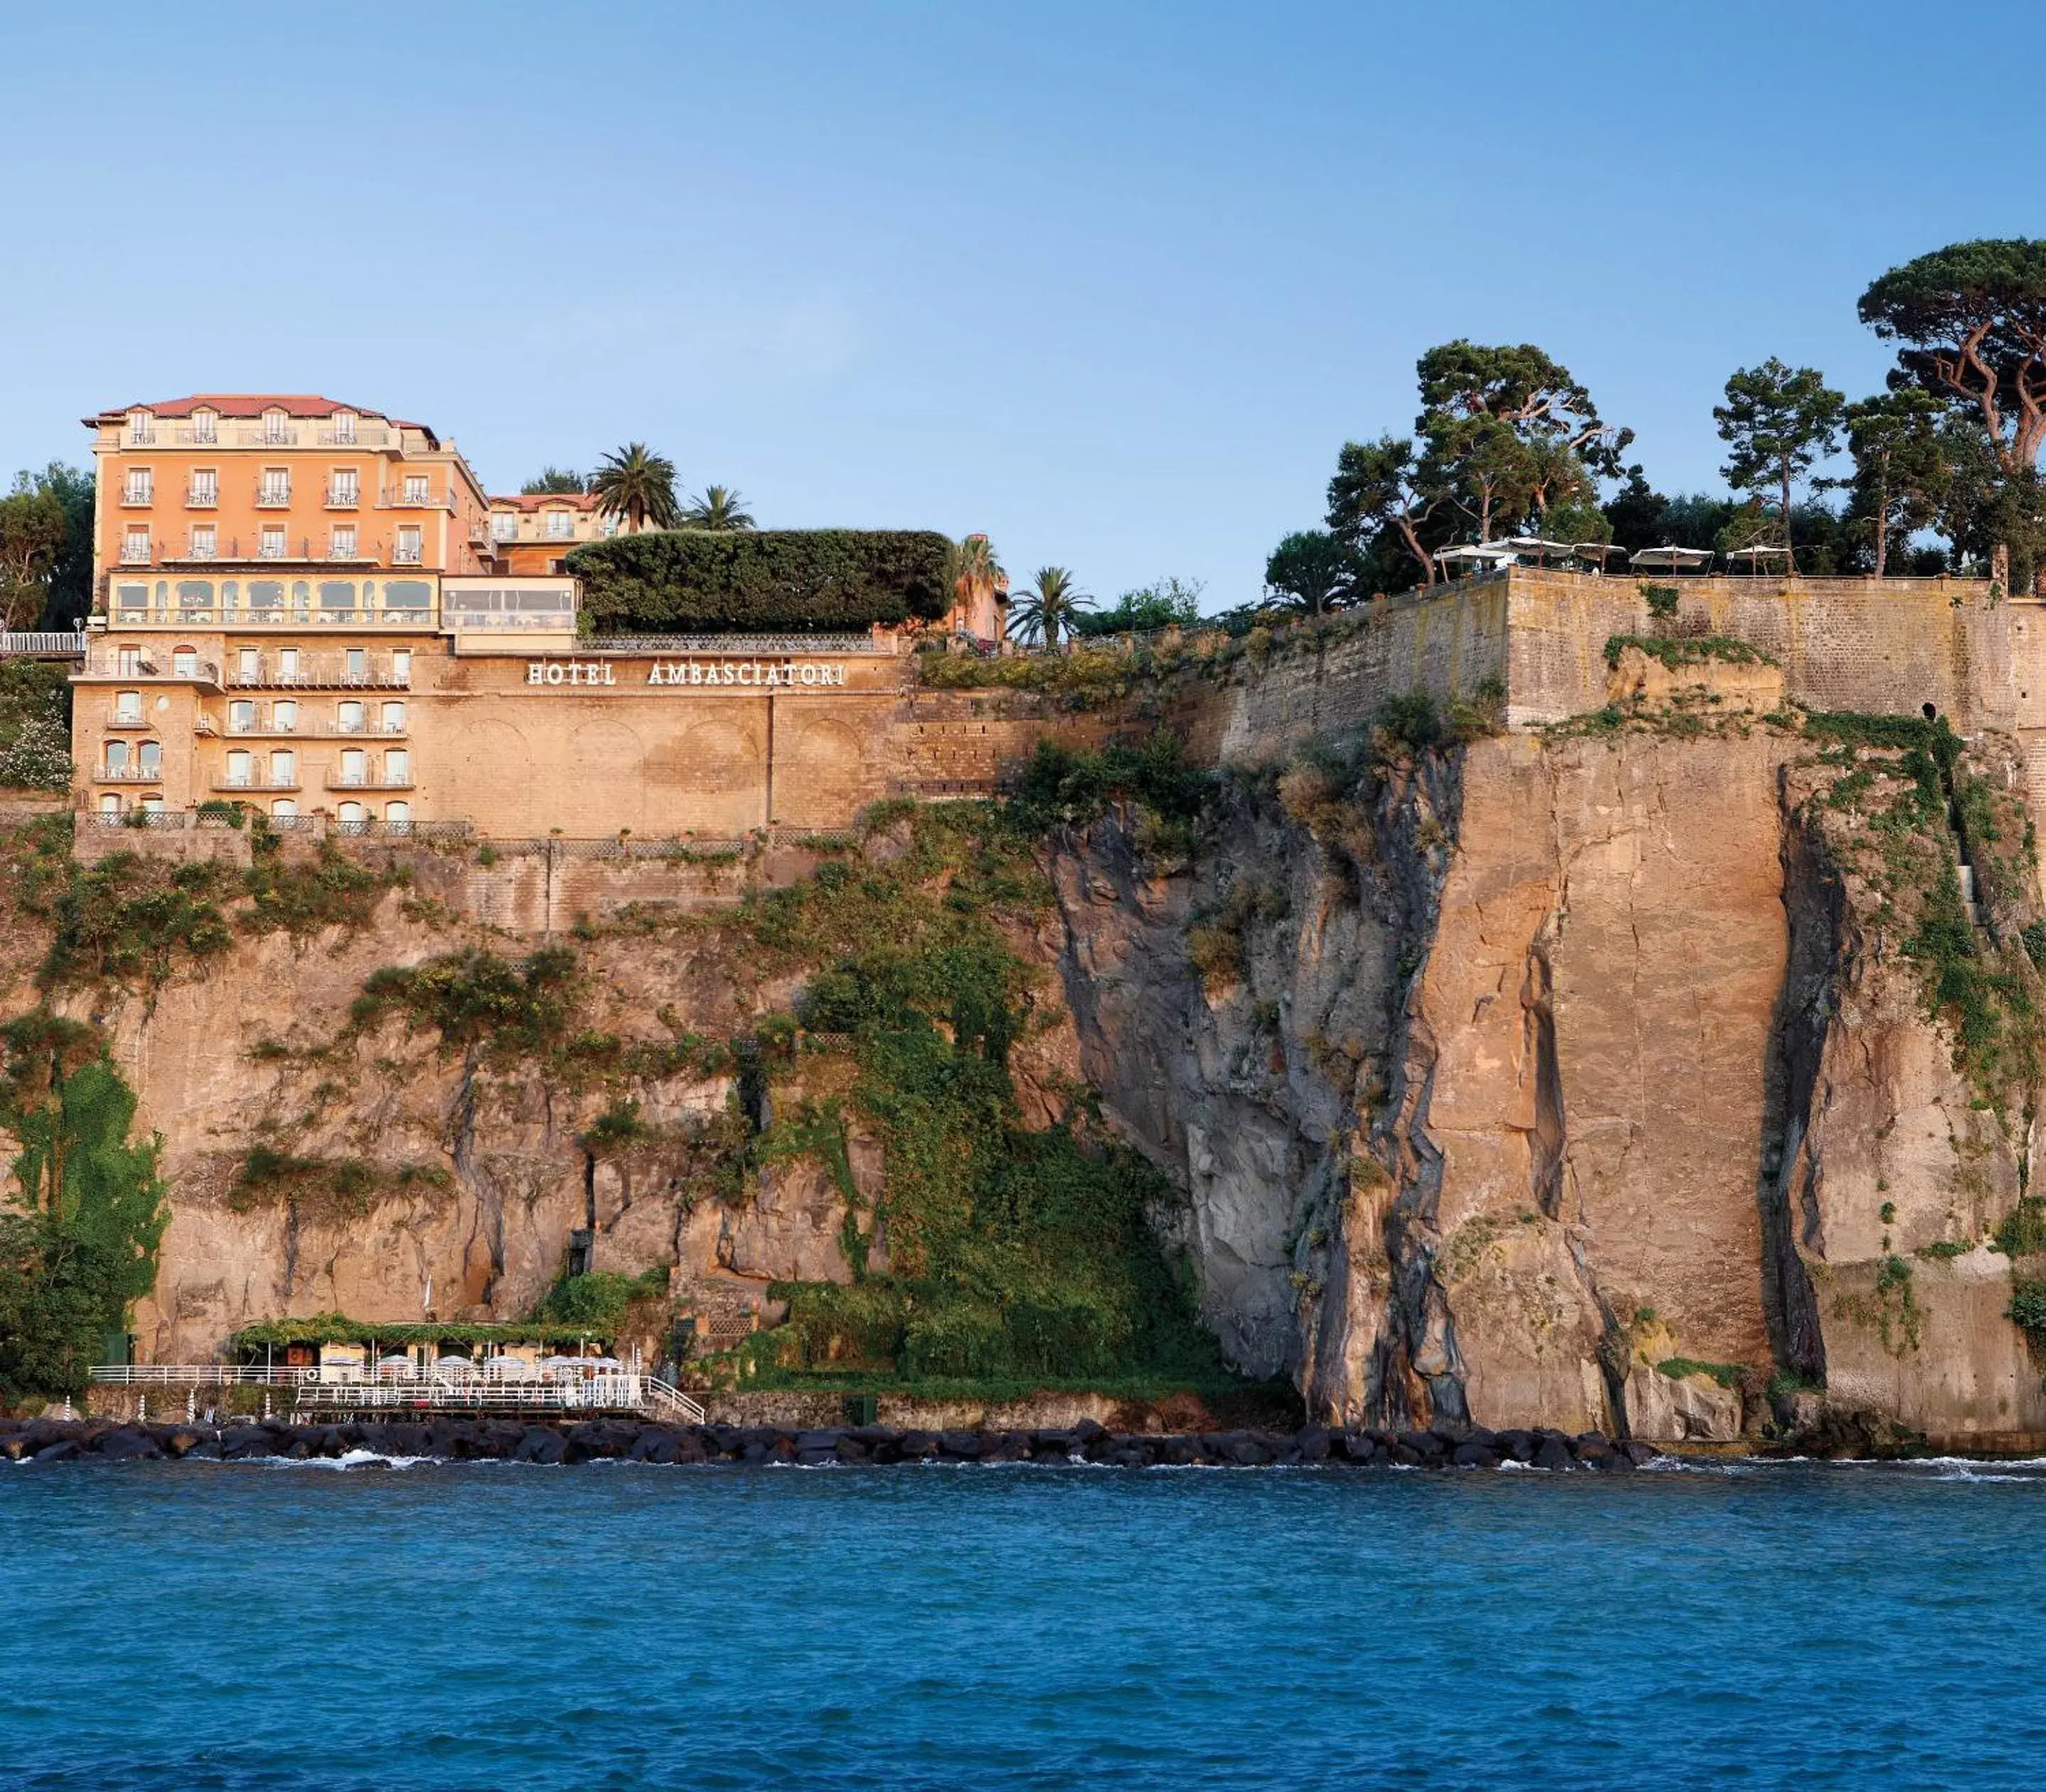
x=284, y=768
x=350, y=815
x=109, y=804
x=149, y=757
x=354, y=766
x=128, y=705
x=398, y=817
x=285, y=809
x=349, y=718
x=240, y=768
x=116, y=758
x=394, y=719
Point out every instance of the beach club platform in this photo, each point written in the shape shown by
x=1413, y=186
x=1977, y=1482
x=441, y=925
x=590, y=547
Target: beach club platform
x=508, y=1387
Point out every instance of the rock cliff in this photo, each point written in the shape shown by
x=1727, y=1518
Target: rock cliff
x=1672, y=1075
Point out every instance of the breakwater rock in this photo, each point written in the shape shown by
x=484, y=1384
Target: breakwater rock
x=43, y=1441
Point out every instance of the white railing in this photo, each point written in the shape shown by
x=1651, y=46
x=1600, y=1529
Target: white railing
x=671, y=1402
x=40, y=643
x=499, y=1385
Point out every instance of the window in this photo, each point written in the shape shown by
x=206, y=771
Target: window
x=270, y=546
x=274, y=428
x=607, y=526
x=350, y=815
x=341, y=487
x=285, y=809
x=142, y=428
x=354, y=766
x=152, y=805
x=265, y=596
x=408, y=549
x=337, y=599
x=344, y=425
x=358, y=662
x=205, y=487
x=241, y=716
x=203, y=537
x=128, y=705
x=397, y=814
x=416, y=488
x=109, y=804
x=139, y=487
x=342, y=544
x=116, y=758
x=504, y=529
x=184, y=663
x=287, y=662
x=561, y=525
x=348, y=718
x=204, y=429
x=284, y=715
x=248, y=662
x=284, y=768
x=394, y=719
x=397, y=766
x=131, y=663
x=133, y=599
x=149, y=759
x=414, y=595
x=401, y=666
x=135, y=544
x=275, y=486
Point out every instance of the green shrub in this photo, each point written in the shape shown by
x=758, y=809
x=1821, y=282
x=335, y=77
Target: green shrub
x=804, y=581
x=1727, y=1375
x=34, y=725
x=598, y=1299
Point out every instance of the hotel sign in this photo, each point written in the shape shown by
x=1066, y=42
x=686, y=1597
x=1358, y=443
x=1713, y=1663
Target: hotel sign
x=807, y=675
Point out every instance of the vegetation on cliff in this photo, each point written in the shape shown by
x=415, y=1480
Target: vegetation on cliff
x=81, y=1245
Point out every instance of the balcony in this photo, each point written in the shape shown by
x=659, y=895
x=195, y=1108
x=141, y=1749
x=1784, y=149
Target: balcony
x=142, y=435
x=193, y=435
x=404, y=499
x=273, y=497
x=369, y=728
x=363, y=435
x=206, y=550
x=273, y=728
x=203, y=498
x=258, y=781
x=336, y=780
x=134, y=553
x=137, y=497
x=129, y=774
x=263, y=435
x=408, y=553
x=343, y=498
x=268, y=548
x=118, y=718
x=347, y=551
x=321, y=674
x=195, y=672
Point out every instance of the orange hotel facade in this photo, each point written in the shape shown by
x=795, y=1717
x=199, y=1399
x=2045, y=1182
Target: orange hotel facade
x=314, y=609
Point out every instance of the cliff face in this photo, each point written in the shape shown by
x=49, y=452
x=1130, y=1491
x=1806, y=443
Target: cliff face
x=1660, y=1076
x=1566, y=1083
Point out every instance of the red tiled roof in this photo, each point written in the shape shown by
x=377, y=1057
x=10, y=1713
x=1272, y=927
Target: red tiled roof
x=253, y=404
x=539, y=500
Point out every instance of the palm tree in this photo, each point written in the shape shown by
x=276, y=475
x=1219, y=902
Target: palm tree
x=719, y=508
x=1047, y=610
x=638, y=485
x=978, y=586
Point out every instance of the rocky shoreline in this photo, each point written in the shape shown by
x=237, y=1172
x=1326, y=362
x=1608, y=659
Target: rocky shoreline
x=50, y=1441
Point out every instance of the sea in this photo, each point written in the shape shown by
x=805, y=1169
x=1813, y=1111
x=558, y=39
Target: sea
x=423, y=1627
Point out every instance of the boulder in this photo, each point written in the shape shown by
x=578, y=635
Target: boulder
x=540, y=1444
x=1553, y=1452
x=1475, y=1455
x=127, y=1445
x=65, y=1450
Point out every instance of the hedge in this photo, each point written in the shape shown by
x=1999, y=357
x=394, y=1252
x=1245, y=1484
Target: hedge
x=782, y=581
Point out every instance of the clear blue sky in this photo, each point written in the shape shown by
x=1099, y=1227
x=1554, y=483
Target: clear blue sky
x=1111, y=282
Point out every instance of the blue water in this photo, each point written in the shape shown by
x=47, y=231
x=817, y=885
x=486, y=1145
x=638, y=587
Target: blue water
x=298, y=1626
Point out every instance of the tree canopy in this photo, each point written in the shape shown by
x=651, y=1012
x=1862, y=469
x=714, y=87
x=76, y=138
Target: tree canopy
x=555, y=482
x=1382, y=497
x=1049, y=607
x=637, y=487
x=33, y=529
x=719, y=509
x=1314, y=570
x=795, y=579
x=1778, y=421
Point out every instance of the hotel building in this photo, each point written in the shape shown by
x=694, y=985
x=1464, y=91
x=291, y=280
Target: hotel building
x=315, y=610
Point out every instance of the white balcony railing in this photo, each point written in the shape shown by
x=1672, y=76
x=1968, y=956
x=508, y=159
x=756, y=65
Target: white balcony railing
x=408, y=553
x=273, y=497
x=265, y=435
x=343, y=498
x=134, y=553
x=203, y=498
x=134, y=492
x=130, y=774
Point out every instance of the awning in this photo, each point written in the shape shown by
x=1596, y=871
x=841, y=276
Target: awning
x=1672, y=559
